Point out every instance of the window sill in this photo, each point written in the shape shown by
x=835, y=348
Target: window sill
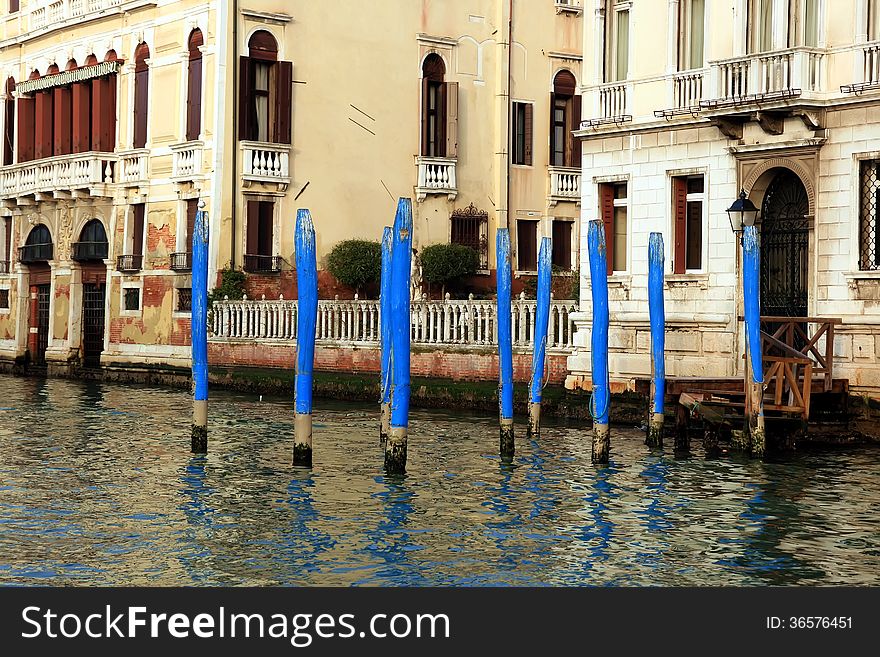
x=873, y=274
x=563, y=8
x=687, y=280
x=130, y=313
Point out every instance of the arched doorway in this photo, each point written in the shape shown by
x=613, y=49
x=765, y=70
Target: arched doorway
x=91, y=251
x=785, y=246
x=36, y=253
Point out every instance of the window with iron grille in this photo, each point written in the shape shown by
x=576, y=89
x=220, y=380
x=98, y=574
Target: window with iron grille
x=132, y=298
x=4, y=299
x=869, y=226
x=470, y=227
x=184, y=299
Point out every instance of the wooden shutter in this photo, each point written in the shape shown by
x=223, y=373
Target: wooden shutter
x=526, y=240
x=552, y=127
x=26, y=108
x=8, y=228
x=104, y=114
x=451, y=119
x=441, y=120
x=192, y=207
x=528, y=109
x=137, y=229
x=253, y=228
x=9, y=135
x=573, y=142
x=43, y=132
x=13, y=6
x=606, y=208
x=247, y=119
x=266, y=228
x=283, y=101
x=63, y=121
x=562, y=244
x=81, y=113
x=141, y=103
x=424, y=119
x=194, y=99
x=679, y=213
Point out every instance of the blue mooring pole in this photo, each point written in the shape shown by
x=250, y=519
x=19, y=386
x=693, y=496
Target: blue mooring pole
x=752, y=312
x=306, y=320
x=385, y=331
x=401, y=261
x=656, y=262
x=199, y=330
x=505, y=341
x=539, y=351
x=600, y=402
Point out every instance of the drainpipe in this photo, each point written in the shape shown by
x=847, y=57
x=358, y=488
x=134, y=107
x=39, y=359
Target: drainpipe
x=509, y=106
x=235, y=149
x=219, y=149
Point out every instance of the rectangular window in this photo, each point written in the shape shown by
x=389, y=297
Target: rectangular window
x=691, y=23
x=13, y=6
x=616, y=40
x=4, y=299
x=803, y=23
x=184, y=299
x=557, y=137
x=613, y=204
x=192, y=207
x=132, y=298
x=6, y=245
x=470, y=227
x=522, y=133
x=562, y=244
x=527, y=245
x=869, y=224
x=261, y=100
x=260, y=228
x=759, y=29
x=687, y=202
x=136, y=236
x=621, y=56
x=873, y=20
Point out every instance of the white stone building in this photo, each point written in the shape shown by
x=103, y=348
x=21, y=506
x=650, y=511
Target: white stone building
x=685, y=103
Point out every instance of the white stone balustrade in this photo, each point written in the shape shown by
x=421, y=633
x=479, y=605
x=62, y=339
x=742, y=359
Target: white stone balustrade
x=265, y=162
x=687, y=89
x=871, y=57
x=795, y=69
x=436, y=176
x=132, y=167
x=53, y=13
x=62, y=173
x=341, y=322
x=565, y=184
x=612, y=100
x=186, y=163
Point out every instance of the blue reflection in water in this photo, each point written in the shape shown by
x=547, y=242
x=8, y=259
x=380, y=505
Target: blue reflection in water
x=304, y=543
x=199, y=515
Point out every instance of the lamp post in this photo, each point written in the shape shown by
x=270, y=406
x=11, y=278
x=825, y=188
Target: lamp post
x=742, y=213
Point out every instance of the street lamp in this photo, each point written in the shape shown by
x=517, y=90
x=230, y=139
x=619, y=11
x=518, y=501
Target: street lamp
x=742, y=213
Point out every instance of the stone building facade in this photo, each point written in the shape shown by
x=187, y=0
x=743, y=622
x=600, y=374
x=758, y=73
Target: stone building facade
x=686, y=102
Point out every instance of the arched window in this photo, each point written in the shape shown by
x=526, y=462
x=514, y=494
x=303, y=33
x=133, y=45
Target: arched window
x=194, y=87
x=92, y=243
x=439, y=116
x=141, y=94
x=9, y=125
x=37, y=246
x=565, y=116
x=265, y=95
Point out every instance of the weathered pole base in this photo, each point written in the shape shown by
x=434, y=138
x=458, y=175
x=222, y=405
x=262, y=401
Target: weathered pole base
x=302, y=442
x=601, y=443
x=395, y=451
x=710, y=439
x=384, y=422
x=655, y=430
x=506, y=447
x=200, y=426
x=758, y=446
x=682, y=436
x=739, y=440
x=533, y=430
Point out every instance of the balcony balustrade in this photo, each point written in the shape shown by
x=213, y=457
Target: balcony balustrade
x=436, y=176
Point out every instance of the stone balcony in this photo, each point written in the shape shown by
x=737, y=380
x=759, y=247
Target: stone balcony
x=267, y=163
x=187, y=161
x=59, y=177
x=565, y=184
x=436, y=176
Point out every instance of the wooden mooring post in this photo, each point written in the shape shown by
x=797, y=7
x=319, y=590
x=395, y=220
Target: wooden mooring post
x=539, y=349
x=600, y=401
x=386, y=333
x=656, y=262
x=752, y=312
x=505, y=343
x=199, y=330
x=401, y=262
x=306, y=322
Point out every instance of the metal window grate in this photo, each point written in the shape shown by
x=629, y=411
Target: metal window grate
x=4, y=299
x=470, y=227
x=184, y=299
x=869, y=228
x=132, y=298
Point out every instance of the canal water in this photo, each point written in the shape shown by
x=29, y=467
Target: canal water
x=97, y=486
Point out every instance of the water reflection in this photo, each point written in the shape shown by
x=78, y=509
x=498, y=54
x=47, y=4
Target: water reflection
x=97, y=486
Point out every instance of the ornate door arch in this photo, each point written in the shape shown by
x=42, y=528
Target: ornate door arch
x=785, y=247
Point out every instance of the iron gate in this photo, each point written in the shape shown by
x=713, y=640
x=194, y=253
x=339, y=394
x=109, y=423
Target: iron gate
x=784, y=247
x=43, y=296
x=93, y=323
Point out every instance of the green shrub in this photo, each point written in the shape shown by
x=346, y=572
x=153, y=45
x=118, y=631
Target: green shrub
x=356, y=263
x=448, y=263
x=231, y=285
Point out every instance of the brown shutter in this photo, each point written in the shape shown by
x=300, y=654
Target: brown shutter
x=606, y=208
x=528, y=108
x=8, y=228
x=451, y=119
x=424, y=120
x=441, y=120
x=137, y=227
x=104, y=114
x=43, y=136
x=283, y=101
x=562, y=244
x=679, y=210
x=9, y=136
x=552, y=127
x=26, y=128
x=192, y=206
x=574, y=142
x=81, y=112
x=141, y=103
x=194, y=100
x=63, y=121
x=246, y=105
x=253, y=228
x=13, y=6
x=266, y=229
